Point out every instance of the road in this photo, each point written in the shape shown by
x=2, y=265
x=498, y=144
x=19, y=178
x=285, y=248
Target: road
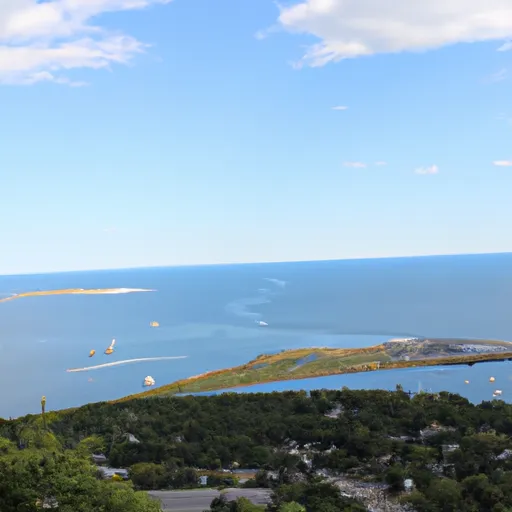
x=199, y=500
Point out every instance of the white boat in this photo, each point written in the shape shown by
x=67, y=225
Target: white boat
x=497, y=392
x=261, y=323
x=149, y=381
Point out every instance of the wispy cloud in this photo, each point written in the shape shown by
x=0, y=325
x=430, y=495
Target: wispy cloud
x=499, y=76
x=44, y=76
x=381, y=163
x=340, y=107
x=503, y=163
x=356, y=165
x=263, y=34
x=41, y=41
x=432, y=169
x=110, y=230
x=506, y=118
x=356, y=28
x=506, y=47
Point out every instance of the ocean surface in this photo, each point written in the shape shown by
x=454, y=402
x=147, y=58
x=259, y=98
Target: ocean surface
x=209, y=316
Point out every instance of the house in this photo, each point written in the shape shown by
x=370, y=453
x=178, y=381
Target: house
x=99, y=458
x=132, y=439
x=47, y=503
x=107, y=472
x=505, y=455
x=408, y=485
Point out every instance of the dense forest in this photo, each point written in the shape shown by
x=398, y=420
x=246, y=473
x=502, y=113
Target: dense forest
x=46, y=477
x=456, y=455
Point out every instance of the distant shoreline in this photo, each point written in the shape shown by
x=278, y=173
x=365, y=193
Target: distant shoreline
x=75, y=291
x=317, y=362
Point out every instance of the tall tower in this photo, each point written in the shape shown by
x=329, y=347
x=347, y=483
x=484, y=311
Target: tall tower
x=43, y=410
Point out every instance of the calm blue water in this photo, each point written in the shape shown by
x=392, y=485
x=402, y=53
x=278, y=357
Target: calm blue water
x=210, y=315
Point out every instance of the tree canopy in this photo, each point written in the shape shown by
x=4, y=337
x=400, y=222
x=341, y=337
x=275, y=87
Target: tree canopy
x=458, y=455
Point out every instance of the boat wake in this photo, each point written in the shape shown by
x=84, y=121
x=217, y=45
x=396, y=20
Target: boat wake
x=126, y=361
x=241, y=307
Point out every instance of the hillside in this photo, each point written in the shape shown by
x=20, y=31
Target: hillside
x=369, y=444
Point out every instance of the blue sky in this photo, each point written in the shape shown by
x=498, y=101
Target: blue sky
x=203, y=131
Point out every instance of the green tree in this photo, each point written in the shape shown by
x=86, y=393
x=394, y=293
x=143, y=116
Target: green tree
x=445, y=494
x=315, y=496
x=291, y=507
x=185, y=478
x=91, y=445
x=148, y=476
x=395, y=478
x=33, y=479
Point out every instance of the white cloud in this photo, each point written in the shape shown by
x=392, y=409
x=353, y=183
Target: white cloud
x=340, y=107
x=381, y=163
x=499, y=76
x=355, y=28
x=432, y=169
x=356, y=165
x=263, y=34
x=506, y=47
x=503, y=163
x=40, y=41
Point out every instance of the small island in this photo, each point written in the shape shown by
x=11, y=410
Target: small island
x=74, y=291
x=321, y=362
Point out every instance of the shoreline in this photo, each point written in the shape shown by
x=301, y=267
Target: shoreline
x=269, y=369
x=75, y=291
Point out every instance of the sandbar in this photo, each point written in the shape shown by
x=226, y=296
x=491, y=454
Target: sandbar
x=75, y=291
x=321, y=362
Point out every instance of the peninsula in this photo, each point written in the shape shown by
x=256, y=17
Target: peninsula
x=74, y=291
x=320, y=362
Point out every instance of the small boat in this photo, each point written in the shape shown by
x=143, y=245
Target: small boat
x=497, y=392
x=149, y=381
x=154, y=324
x=110, y=349
x=466, y=382
x=261, y=323
x=92, y=352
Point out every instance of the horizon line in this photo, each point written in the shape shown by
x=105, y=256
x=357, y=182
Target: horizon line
x=252, y=263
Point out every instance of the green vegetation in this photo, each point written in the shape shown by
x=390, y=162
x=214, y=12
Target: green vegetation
x=47, y=476
x=319, y=362
x=221, y=504
x=458, y=455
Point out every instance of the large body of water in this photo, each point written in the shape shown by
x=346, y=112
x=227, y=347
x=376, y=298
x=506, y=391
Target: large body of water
x=209, y=314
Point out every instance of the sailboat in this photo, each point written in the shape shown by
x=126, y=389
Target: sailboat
x=110, y=349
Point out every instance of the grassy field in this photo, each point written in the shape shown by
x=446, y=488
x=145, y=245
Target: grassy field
x=318, y=362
